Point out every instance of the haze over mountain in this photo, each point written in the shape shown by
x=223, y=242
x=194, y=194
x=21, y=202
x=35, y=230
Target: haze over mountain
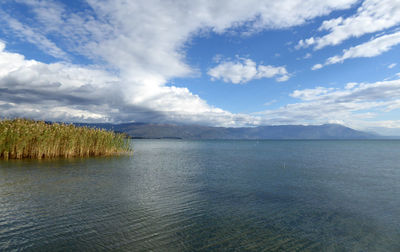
x=326, y=131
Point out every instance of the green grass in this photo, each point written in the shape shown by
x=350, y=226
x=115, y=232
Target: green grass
x=22, y=138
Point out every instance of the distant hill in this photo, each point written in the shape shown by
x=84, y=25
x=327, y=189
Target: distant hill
x=158, y=131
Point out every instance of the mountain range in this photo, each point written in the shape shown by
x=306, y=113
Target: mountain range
x=171, y=131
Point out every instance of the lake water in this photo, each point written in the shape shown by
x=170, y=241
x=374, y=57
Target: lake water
x=175, y=195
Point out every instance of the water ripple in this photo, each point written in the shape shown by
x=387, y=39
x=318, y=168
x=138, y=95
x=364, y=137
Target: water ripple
x=207, y=195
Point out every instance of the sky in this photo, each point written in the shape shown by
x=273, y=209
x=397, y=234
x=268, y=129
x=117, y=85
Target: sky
x=219, y=63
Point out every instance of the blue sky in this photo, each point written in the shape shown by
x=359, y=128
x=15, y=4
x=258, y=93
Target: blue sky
x=219, y=63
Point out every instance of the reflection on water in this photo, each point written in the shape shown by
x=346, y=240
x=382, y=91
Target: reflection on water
x=208, y=195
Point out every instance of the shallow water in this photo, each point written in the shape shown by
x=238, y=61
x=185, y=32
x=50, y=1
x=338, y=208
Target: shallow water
x=175, y=195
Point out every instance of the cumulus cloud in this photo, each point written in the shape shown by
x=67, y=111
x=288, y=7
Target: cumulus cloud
x=66, y=92
x=317, y=66
x=392, y=65
x=58, y=91
x=372, y=48
x=244, y=70
x=372, y=16
x=137, y=46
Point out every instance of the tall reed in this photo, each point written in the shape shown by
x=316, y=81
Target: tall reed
x=22, y=138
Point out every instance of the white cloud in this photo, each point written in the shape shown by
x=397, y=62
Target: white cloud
x=114, y=30
x=372, y=16
x=372, y=48
x=142, y=46
x=351, y=85
x=310, y=94
x=305, y=43
x=317, y=66
x=244, y=70
x=392, y=65
x=67, y=92
x=355, y=105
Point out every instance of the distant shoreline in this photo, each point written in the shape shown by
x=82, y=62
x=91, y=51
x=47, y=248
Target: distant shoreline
x=180, y=131
x=268, y=139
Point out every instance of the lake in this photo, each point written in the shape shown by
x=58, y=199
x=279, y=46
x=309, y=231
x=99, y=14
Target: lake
x=177, y=195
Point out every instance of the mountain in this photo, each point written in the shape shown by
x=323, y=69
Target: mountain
x=326, y=131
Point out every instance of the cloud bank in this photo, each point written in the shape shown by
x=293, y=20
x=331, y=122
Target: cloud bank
x=355, y=105
x=67, y=92
x=136, y=47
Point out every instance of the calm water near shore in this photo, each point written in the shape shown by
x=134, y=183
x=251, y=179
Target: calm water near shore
x=175, y=195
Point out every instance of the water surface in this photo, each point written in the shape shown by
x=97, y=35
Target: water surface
x=175, y=195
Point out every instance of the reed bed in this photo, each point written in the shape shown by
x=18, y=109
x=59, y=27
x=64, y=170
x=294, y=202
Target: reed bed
x=22, y=138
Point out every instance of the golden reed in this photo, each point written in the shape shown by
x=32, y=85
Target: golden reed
x=22, y=138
